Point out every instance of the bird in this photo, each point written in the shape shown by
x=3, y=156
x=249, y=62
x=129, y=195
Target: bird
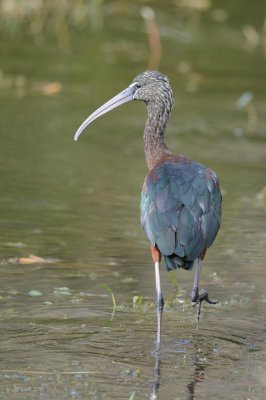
x=180, y=207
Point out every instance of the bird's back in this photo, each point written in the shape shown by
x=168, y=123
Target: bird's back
x=181, y=209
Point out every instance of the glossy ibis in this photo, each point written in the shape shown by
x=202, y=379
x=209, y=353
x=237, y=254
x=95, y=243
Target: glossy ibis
x=180, y=199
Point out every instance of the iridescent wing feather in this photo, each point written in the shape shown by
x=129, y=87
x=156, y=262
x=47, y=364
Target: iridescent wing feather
x=181, y=210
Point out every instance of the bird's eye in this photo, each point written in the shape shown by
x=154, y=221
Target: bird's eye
x=138, y=85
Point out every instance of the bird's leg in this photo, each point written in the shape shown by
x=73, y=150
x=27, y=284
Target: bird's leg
x=195, y=289
x=159, y=301
x=197, y=297
x=156, y=255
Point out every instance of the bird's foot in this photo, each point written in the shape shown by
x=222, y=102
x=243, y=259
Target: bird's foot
x=197, y=297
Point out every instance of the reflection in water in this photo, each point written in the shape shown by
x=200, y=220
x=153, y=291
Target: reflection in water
x=156, y=375
x=197, y=374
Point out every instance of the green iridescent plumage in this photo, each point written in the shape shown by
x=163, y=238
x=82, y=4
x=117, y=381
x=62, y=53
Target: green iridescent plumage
x=181, y=210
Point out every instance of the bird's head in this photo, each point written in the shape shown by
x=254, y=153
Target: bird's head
x=149, y=86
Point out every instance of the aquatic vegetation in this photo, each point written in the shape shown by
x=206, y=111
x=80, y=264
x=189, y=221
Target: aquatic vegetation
x=260, y=198
x=245, y=101
x=39, y=18
x=137, y=303
x=132, y=396
x=109, y=290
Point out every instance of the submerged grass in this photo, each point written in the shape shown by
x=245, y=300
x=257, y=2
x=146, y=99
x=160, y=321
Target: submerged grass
x=132, y=396
x=109, y=290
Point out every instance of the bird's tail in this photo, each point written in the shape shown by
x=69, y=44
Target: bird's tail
x=173, y=262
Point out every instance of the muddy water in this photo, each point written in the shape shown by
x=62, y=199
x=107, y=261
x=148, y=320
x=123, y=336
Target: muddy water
x=76, y=206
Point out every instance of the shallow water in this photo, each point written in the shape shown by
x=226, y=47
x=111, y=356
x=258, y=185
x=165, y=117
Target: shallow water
x=76, y=206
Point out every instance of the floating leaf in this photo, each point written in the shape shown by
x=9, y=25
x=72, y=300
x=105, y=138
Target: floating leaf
x=50, y=88
x=31, y=259
x=62, y=290
x=34, y=293
x=244, y=99
x=15, y=244
x=129, y=279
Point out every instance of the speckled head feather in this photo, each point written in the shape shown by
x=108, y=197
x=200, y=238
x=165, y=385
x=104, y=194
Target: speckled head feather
x=153, y=86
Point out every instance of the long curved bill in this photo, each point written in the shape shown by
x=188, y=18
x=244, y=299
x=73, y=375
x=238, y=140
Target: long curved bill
x=121, y=98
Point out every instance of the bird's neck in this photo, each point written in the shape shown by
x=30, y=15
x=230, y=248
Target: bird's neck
x=154, y=144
